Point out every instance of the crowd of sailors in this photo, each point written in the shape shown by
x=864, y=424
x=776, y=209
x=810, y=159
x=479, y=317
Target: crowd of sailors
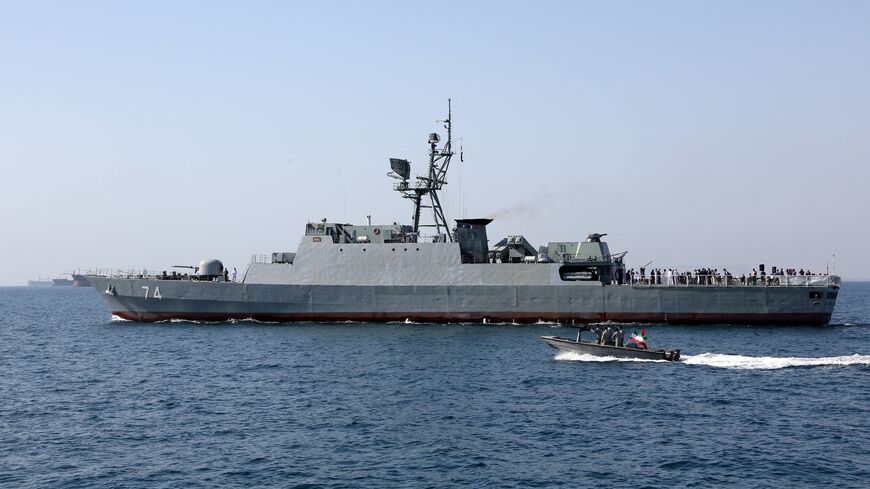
x=612, y=336
x=708, y=276
x=615, y=336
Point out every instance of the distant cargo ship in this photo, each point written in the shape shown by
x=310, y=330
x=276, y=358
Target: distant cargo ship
x=61, y=282
x=393, y=272
x=80, y=280
x=39, y=283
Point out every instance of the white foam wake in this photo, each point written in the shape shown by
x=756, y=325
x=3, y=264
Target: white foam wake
x=720, y=360
x=769, y=363
x=582, y=357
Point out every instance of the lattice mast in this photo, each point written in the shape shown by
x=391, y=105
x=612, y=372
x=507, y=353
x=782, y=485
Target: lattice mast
x=424, y=193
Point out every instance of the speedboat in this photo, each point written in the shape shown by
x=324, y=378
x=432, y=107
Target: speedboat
x=578, y=345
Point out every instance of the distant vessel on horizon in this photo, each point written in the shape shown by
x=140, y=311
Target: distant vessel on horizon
x=80, y=280
x=77, y=280
x=62, y=282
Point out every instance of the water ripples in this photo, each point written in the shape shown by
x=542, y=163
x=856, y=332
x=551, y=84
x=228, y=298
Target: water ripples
x=88, y=402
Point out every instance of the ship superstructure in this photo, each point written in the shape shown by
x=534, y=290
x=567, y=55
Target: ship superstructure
x=396, y=272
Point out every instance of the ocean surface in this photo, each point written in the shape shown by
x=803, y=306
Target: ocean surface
x=90, y=402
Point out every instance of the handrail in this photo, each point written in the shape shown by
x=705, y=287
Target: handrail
x=685, y=280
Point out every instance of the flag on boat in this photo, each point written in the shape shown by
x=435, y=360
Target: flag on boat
x=639, y=338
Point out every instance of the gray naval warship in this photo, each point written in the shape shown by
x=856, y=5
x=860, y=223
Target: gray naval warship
x=436, y=272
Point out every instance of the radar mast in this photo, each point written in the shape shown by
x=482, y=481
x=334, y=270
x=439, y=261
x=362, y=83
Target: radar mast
x=424, y=192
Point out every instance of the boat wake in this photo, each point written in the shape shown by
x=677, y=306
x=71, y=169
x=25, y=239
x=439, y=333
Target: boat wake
x=548, y=323
x=202, y=321
x=771, y=363
x=617, y=323
x=252, y=321
x=582, y=357
x=738, y=362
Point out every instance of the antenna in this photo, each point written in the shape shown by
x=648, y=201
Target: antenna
x=432, y=182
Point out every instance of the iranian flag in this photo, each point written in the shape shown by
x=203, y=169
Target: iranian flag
x=639, y=338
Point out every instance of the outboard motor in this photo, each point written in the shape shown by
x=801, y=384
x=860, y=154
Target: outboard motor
x=209, y=270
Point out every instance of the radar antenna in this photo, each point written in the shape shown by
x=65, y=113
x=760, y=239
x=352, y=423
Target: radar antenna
x=424, y=192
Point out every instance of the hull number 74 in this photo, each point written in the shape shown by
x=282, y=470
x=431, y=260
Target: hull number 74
x=156, y=294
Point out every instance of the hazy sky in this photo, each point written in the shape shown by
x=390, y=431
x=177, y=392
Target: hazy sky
x=148, y=134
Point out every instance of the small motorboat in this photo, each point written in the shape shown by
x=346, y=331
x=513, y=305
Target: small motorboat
x=593, y=348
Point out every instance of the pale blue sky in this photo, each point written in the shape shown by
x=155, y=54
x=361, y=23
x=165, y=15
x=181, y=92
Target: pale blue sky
x=695, y=133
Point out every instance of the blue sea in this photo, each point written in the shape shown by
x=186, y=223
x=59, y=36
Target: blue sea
x=90, y=402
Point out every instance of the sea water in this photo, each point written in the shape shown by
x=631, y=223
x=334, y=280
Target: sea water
x=90, y=402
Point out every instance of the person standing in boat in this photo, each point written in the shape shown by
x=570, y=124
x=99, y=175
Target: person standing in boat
x=597, y=332
x=638, y=340
x=607, y=336
x=619, y=336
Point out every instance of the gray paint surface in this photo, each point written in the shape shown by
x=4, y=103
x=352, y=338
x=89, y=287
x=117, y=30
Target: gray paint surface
x=427, y=282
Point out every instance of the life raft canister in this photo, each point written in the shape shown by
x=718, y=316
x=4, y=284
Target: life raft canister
x=377, y=231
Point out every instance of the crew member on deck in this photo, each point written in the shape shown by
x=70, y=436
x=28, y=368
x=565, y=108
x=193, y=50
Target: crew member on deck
x=597, y=332
x=607, y=336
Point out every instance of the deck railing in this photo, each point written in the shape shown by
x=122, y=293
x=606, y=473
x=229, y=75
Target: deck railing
x=732, y=281
x=124, y=273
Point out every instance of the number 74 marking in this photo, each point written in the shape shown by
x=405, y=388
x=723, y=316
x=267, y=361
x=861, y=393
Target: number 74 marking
x=156, y=295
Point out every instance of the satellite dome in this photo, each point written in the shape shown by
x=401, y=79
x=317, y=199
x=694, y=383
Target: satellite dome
x=210, y=268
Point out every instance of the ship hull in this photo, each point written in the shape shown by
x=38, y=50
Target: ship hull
x=80, y=280
x=221, y=301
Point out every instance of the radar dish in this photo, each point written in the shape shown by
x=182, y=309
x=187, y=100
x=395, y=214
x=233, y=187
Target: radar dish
x=401, y=167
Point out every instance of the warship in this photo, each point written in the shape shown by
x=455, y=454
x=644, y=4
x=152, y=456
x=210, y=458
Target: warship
x=435, y=270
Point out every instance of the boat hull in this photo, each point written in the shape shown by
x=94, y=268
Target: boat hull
x=566, y=345
x=136, y=300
